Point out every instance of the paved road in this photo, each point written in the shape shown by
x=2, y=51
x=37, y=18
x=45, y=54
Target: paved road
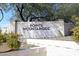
x=62, y=51
x=63, y=48
x=58, y=48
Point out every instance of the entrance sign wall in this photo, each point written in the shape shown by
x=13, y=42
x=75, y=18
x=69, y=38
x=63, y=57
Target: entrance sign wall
x=40, y=30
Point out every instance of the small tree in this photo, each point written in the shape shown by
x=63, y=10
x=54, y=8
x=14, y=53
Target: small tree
x=75, y=19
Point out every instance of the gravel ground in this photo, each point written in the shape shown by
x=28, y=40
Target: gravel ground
x=26, y=52
x=29, y=50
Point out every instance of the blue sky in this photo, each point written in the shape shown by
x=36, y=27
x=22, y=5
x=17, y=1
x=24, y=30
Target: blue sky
x=6, y=19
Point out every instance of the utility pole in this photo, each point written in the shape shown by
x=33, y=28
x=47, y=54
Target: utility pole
x=15, y=26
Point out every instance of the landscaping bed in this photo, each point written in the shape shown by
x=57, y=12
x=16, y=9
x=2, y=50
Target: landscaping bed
x=4, y=48
x=9, y=42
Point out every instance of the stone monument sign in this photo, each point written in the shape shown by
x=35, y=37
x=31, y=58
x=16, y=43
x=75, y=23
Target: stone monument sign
x=39, y=30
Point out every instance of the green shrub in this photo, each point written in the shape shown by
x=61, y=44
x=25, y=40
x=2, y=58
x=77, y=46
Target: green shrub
x=2, y=38
x=12, y=41
x=75, y=33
